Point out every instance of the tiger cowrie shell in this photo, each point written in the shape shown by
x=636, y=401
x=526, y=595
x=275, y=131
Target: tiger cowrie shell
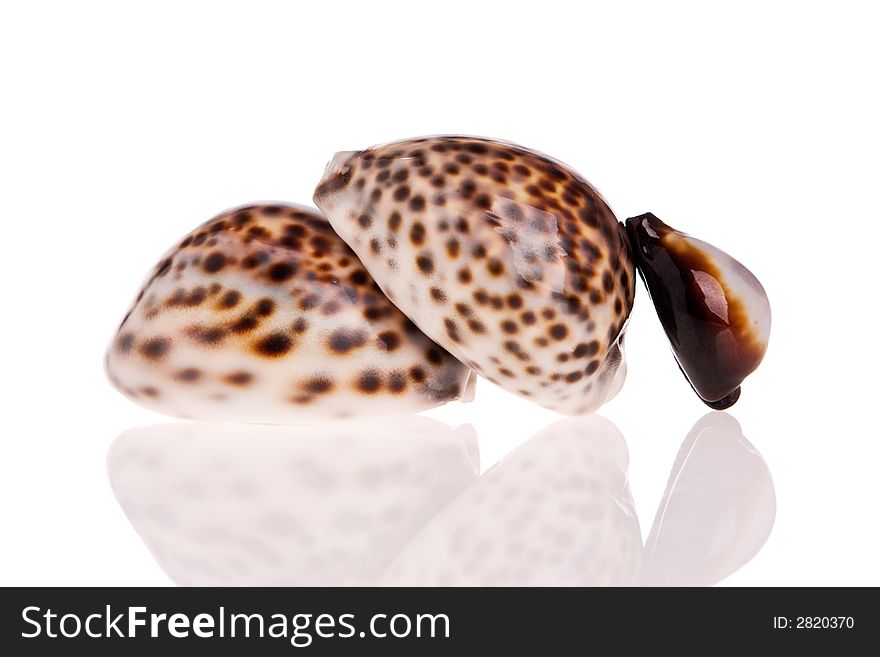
x=505, y=257
x=263, y=314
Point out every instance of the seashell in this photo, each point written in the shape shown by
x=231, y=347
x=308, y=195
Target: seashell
x=715, y=312
x=508, y=259
x=263, y=314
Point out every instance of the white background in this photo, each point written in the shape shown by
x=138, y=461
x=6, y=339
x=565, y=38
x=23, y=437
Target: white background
x=755, y=128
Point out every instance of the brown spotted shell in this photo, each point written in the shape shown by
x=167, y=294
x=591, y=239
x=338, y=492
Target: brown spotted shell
x=505, y=257
x=263, y=314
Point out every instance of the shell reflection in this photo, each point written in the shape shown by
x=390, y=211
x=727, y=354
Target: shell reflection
x=401, y=503
x=227, y=504
x=718, y=509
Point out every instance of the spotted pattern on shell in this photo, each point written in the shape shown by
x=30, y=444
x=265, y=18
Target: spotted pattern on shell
x=263, y=314
x=505, y=257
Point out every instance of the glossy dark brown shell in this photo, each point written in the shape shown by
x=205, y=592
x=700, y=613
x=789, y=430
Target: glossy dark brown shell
x=714, y=311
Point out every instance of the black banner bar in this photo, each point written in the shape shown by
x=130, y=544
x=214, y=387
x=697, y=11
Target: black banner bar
x=430, y=621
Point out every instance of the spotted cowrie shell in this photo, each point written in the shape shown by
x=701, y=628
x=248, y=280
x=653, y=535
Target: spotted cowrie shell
x=508, y=259
x=516, y=265
x=263, y=314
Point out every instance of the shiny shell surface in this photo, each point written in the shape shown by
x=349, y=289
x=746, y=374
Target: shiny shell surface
x=508, y=259
x=263, y=314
